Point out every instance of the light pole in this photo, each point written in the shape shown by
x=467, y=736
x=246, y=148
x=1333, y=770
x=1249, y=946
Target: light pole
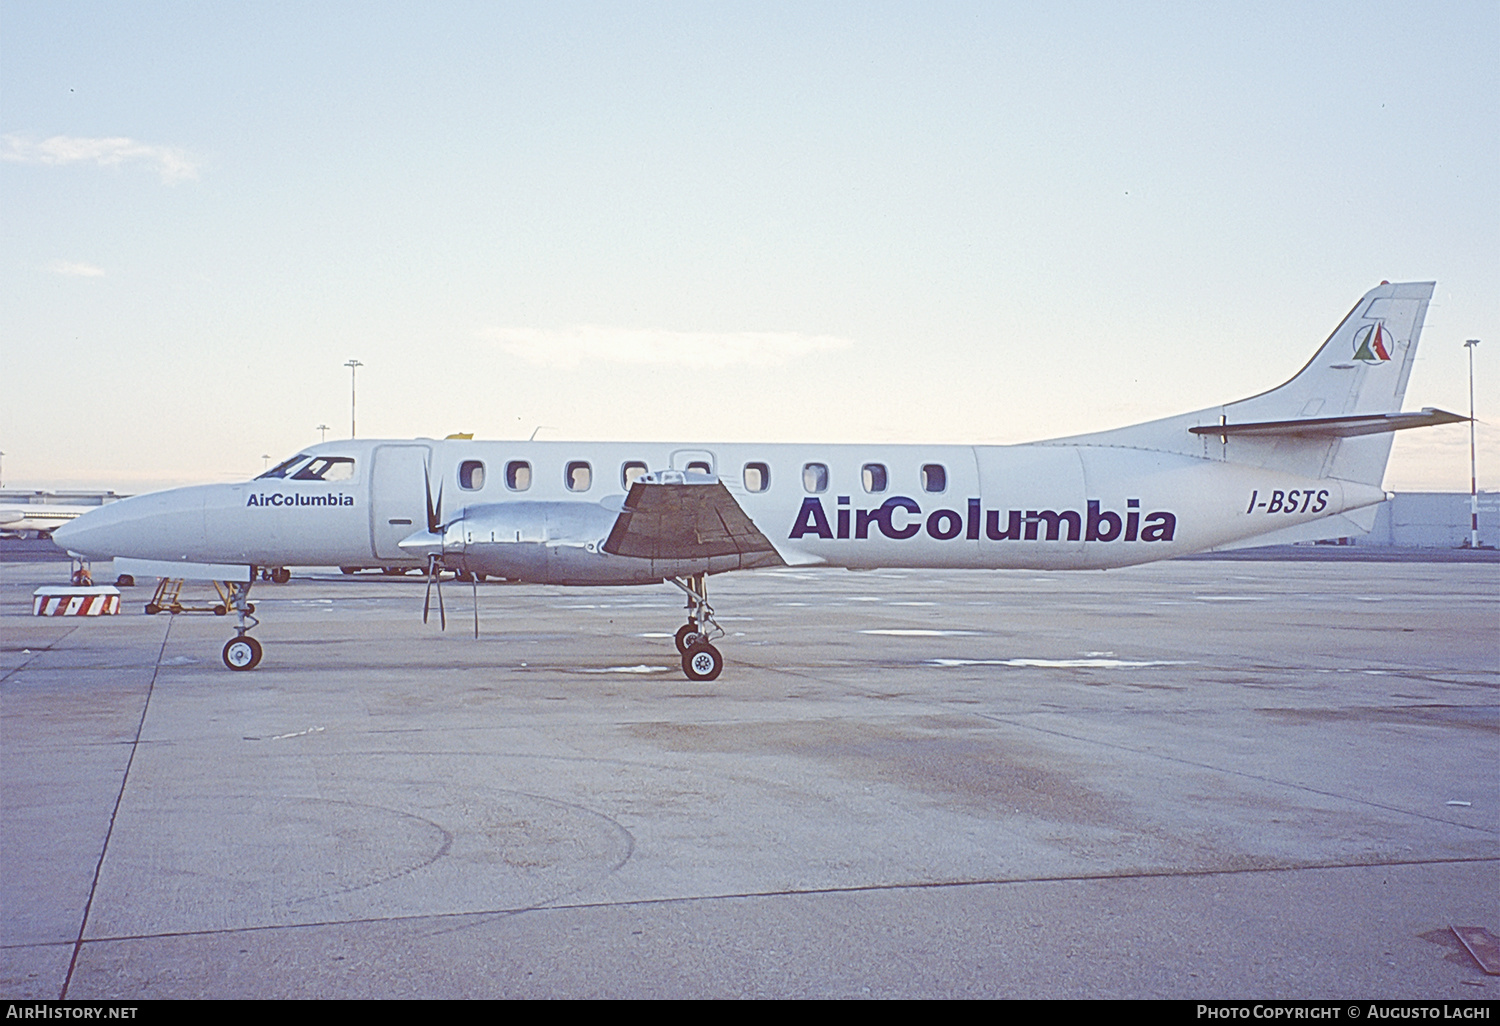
x=1473, y=477
x=323, y=428
x=351, y=365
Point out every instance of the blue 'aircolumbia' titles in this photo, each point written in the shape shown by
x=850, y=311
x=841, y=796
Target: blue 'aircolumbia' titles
x=1097, y=525
x=294, y=499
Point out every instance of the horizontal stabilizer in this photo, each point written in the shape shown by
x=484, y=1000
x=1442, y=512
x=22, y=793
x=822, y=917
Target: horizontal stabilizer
x=1334, y=427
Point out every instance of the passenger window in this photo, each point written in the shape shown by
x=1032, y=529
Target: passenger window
x=579, y=476
x=875, y=477
x=815, y=477
x=471, y=475
x=700, y=466
x=630, y=471
x=934, y=478
x=326, y=468
x=518, y=475
x=757, y=477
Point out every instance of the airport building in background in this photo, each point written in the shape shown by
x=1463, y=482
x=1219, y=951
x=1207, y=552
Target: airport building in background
x=1433, y=520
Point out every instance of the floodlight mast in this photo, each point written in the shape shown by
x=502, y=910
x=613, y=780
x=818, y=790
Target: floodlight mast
x=1473, y=475
x=352, y=364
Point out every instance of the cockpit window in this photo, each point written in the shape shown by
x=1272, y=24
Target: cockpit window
x=285, y=467
x=326, y=468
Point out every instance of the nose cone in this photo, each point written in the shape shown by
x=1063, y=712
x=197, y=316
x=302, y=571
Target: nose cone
x=161, y=525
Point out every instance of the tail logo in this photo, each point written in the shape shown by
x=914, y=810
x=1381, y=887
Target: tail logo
x=1372, y=344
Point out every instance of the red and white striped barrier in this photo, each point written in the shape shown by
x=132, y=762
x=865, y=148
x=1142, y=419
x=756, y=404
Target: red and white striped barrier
x=103, y=600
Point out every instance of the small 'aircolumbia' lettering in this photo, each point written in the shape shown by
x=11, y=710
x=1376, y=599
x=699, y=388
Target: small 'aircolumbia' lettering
x=900, y=517
x=294, y=499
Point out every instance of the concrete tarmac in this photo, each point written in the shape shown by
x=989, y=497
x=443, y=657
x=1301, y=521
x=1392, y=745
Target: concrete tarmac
x=1197, y=780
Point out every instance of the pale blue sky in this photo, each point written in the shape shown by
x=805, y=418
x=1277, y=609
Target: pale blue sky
x=901, y=222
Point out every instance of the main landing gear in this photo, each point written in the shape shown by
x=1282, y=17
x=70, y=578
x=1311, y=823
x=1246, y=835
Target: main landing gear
x=242, y=652
x=700, y=660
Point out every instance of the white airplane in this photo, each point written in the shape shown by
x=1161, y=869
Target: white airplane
x=1300, y=462
x=42, y=518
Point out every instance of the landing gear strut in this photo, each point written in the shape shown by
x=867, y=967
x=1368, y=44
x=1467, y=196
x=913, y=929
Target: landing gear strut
x=700, y=660
x=242, y=652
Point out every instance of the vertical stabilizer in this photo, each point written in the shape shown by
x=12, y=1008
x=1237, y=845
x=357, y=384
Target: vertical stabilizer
x=1361, y=370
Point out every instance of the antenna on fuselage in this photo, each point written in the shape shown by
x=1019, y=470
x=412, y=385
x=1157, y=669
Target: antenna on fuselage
x=539, y=427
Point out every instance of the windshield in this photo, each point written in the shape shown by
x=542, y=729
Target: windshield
x=326, y=468
x=303, y=467
x=285, y=467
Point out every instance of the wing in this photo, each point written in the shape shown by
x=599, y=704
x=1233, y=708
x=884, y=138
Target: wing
x=673, y=515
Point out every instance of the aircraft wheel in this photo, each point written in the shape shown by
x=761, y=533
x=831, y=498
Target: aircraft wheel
x=688, y=635
x=280, y=575
x=221, y=611
x=152, y=608
x=242, y=653
x=348, y=569
x=702, y=662
x=124, y=581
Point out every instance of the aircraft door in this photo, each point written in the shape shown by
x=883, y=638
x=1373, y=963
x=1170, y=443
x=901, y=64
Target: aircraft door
x=398, y=497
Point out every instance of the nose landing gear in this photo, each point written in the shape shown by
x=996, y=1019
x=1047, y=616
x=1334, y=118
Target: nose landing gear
x=242, y=652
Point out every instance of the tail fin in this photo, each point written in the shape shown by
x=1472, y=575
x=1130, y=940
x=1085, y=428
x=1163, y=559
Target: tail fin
x=1332, y=418
x=1361, y=369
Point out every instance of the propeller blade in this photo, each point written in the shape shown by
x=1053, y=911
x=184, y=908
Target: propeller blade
x=474, y=580
x=434, y=510
x=434, y=578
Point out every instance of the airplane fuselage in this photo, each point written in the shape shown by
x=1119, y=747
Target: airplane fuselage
x=541, y=511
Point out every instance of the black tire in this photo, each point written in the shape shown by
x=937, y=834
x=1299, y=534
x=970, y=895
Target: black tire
x=221, y=611
x=152, y=608
x=688, y=635
x=348, y=569
x=242, y=653
x=702, y=662
x=280, y=575
x=124, y=581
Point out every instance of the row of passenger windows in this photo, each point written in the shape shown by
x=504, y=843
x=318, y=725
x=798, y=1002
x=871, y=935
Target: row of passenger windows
x=578, y=476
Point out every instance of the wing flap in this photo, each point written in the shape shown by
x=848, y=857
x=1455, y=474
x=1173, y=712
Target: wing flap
x=684, y=519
